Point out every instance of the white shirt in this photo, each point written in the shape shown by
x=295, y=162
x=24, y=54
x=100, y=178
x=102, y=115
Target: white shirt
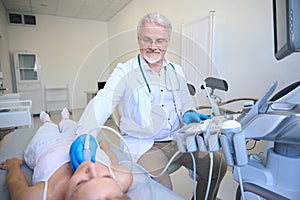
x=145, y=116
x=49, y=149
x=48, y=143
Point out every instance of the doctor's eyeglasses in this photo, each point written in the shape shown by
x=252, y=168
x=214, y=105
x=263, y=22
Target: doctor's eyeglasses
x=159, y=42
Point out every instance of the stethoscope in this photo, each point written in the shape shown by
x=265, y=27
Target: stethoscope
x=171, y=89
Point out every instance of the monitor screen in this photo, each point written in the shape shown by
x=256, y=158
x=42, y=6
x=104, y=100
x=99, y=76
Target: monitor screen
x=281, y=22
x=15, y=18
x=29, y=20
x=286, y=19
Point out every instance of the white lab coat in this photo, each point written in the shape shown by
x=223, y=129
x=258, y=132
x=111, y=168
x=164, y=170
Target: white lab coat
x=141, y=121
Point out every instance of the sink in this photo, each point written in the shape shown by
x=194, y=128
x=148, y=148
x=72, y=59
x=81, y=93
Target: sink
x=10, y=96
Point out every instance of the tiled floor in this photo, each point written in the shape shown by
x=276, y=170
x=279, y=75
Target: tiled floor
x=182, y=183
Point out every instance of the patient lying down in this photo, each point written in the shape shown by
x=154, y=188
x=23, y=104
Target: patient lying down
x=48, y=155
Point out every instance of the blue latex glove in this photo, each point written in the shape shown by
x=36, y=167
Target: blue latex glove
x=77, y=150
x=192, y=116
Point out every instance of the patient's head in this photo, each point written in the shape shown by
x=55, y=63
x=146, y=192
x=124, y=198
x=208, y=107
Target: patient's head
x=93, y=181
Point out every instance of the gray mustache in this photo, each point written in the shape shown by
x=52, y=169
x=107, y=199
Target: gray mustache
x=152, y=51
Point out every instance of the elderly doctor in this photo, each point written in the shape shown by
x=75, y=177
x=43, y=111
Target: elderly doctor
x=154, y=102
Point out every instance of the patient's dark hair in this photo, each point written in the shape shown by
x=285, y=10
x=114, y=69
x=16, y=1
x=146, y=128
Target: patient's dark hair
x=124, y=197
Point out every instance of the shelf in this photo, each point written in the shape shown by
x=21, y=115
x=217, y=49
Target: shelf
x=61, y=100
x=56, y=89
x=56, y=97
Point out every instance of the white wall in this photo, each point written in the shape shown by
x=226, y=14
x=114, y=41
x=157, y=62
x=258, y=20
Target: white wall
x=62, y=45
x=243, y=51
x=80, y=52
x=4, y=51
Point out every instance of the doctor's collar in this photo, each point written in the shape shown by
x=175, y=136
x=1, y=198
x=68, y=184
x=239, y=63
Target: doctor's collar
x=143, y=63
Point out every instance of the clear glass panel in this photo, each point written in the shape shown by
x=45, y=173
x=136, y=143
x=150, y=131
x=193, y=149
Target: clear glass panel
x=26, y=61
x=28, y=74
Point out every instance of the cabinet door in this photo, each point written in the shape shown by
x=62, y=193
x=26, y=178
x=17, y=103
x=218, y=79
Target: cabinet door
x=27, y=79
x=26, y=66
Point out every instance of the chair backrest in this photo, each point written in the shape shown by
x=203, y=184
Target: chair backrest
x=192, y=89
x=215, y=83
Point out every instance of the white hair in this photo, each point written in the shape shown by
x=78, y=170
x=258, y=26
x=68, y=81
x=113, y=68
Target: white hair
x=155, y=18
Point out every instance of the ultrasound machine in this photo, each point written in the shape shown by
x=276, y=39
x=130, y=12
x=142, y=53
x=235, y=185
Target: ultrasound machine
x=273, y=174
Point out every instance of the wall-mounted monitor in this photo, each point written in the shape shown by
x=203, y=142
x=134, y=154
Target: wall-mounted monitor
x=15, y=18
x=29, y=19
x=22, y=19
x=286, y=18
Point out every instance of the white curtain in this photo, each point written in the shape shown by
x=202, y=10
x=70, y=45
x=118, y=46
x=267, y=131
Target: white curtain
x=197, y=52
